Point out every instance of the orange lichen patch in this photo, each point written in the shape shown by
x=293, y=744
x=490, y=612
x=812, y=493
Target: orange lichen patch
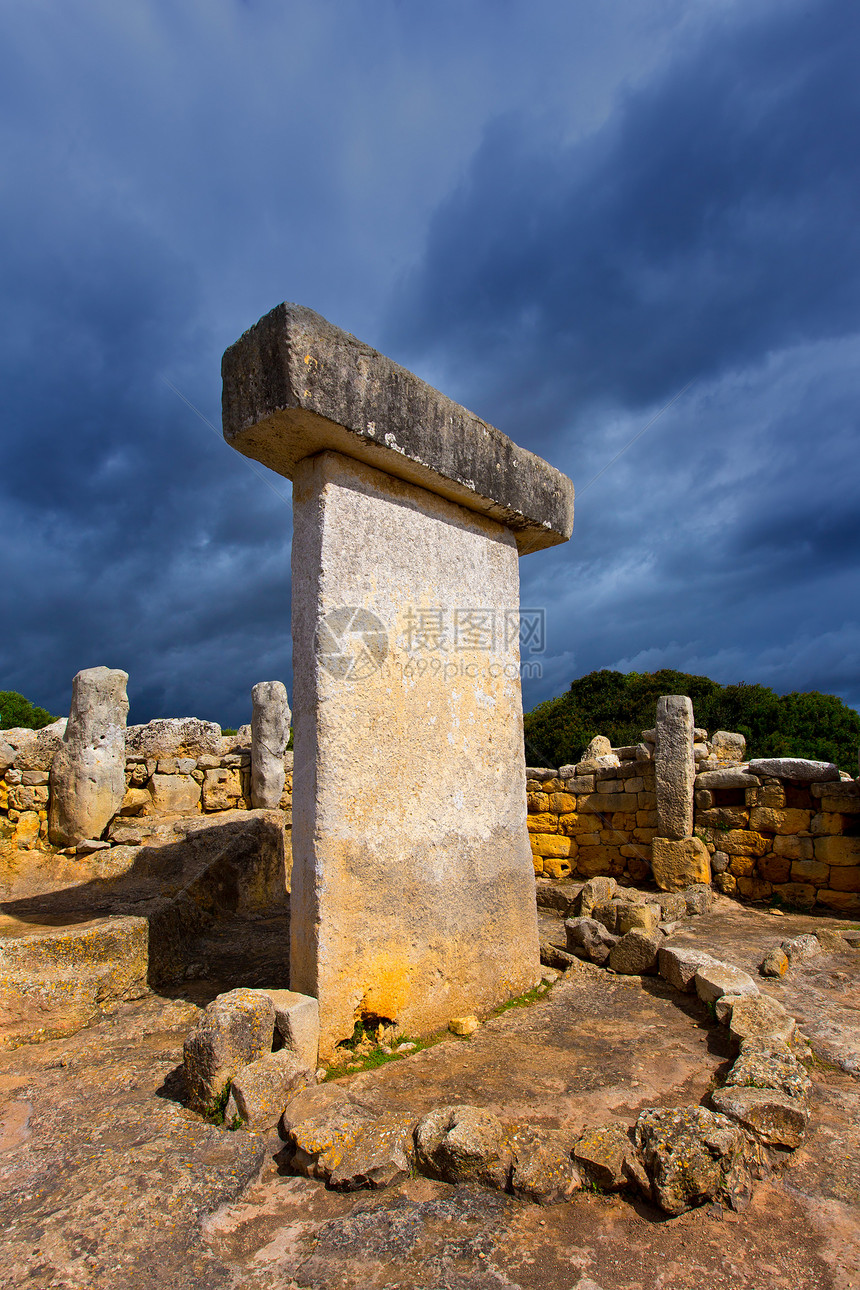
x=386, y=994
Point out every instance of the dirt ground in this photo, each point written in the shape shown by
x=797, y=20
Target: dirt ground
x=106, y=1180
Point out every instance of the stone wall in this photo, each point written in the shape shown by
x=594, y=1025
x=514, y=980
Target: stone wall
x=782, y=830
x=175, y=767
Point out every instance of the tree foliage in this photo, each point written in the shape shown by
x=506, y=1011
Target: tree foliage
x=622, y=705
x=15, y=710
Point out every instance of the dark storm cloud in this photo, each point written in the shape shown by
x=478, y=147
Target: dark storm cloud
x=711, y=219
x=706, y=233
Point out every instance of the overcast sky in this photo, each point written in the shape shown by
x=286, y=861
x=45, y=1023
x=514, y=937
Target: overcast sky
x=563, y=214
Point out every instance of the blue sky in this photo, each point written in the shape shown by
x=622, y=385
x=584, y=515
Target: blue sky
x=562, y=215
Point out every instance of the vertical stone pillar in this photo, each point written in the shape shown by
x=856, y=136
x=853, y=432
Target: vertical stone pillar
x=678, y=858
x=270, y=731
x=412, y=884
x=88, y=772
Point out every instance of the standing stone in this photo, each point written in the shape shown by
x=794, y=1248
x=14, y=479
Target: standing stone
x=674, y=766
x=412, y=885
x=270, y=730
x=88, y=774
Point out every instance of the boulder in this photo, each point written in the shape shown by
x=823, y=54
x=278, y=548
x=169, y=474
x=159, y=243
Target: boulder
x=588, y=939
x=798, y=769
x=235, y=1029
x=174, y=737
x=597, y=891
x=799, y=948
x=772, y=1116
x=600, y=746
x=635, y=954
x=260, y=1090
x=88, y=771
x=463, y=1026
x=678, y=964
x=464, y=1144
x=380, y=1156
x=606, y=1157
x=543, y=1170
x=641, y=918
x=760, y=1018
x=729, y=777
x=321, y=1126
x=775, y=963
x=673, y=906
x=270, y=731
x=691, y=1156
x=698, y=899
x=674, y=767
x=174, y=795
x=713, y=980
x=297, y=1024
x=728, y=746
x=677, y=864
x=32, y=749
x=765, y=1065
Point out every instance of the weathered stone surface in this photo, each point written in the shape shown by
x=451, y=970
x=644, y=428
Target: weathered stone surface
x=713, y=980
x=543, y=1170
x=673, y=905
x=464, y=1144
x=463, y=1026
x=797, y=768
x=597, y=891
x=600, y=746
x=843, y=797
x=297, y=1023
x=765, y=1065
x=88, y=772
x=730, y=777
x=604, y=1155
x=380, y=1156
x=760, y=1018
x=838, y=851
x=776, y=1119
x=677, y=864
x=235, y=1029
x=136, y=801
x=174, y=737
x=33, y=749
x=691, y=1156
x=372, y=931
x=260, y=1090
x=727, y=745
x=774, y=963
x=295, y=386
x=635, y=953
x=800, y=948
x=588, y=939
x=270, y=731
x=698, y=899
x=222, y=789
x=678, y=965
x=321, y=1126
x=173, y=795
x=638, y=917
x=674, y=767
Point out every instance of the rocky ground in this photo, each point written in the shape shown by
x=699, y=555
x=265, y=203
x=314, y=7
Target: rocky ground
x=107, y=1180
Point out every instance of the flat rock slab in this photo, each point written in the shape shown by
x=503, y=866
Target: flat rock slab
x=295, y=385
x=109, y=1182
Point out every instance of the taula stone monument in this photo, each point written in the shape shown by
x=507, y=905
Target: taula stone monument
x=412, y=888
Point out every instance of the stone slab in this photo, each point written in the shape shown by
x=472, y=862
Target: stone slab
x=674, y=767
x=799, y=769
x=294, y=385
x=412, y=884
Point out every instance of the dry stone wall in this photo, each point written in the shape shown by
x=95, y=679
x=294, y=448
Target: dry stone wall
x=778, y=829
x=174, y=767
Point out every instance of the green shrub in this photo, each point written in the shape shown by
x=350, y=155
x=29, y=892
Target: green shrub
x=620, y=705
x=15, y=710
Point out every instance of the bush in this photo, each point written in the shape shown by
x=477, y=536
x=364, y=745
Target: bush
x=622, y=705
x=15, y=710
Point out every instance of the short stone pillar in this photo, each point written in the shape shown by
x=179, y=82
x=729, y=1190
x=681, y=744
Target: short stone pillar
x=88, y=772
x=678, y=858
x=270, y=731
x=412, y=886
